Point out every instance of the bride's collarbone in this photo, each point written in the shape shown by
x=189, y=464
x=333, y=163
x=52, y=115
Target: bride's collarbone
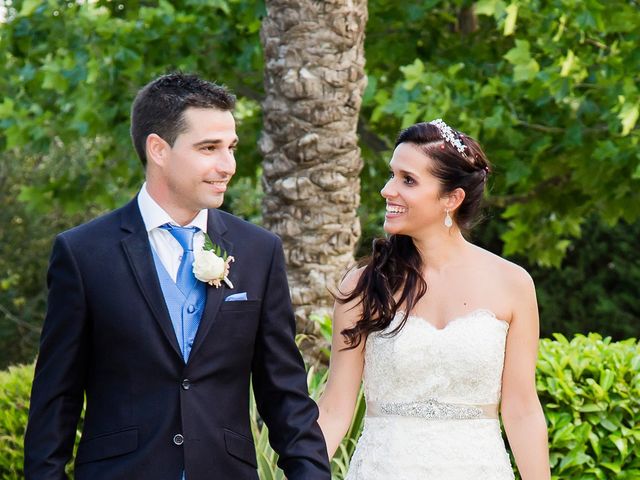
x=440, y=325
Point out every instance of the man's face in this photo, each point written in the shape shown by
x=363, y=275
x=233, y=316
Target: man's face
x=201, y=162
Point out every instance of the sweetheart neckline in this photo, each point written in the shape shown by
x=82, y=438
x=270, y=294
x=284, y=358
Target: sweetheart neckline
x=471, y=314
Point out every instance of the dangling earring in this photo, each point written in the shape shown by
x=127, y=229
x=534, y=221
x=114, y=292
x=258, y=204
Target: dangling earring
x=448, y=222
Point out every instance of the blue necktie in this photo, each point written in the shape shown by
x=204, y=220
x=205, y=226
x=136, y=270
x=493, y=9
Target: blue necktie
x=185, y=280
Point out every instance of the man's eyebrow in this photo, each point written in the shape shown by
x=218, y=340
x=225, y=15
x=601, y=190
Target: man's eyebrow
x=215, y=141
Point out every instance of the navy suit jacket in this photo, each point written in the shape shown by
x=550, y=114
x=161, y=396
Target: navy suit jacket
x=108, y=336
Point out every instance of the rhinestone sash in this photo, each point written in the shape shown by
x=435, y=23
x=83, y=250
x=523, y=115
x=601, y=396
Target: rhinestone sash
x=432, y=409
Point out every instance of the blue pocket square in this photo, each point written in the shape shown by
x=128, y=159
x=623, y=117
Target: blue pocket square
x=236, y=297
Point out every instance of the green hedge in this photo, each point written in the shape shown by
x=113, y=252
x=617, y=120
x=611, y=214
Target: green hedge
x=15, y=387
x=589, y=387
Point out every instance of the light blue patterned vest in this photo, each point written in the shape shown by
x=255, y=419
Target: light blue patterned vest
x=185, y=312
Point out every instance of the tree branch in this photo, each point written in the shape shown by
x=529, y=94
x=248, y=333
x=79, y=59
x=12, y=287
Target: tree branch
x=596, y=43
x=539, y=127
x=550, y=129
x=506, y=200
x=17, y=321
x=249, y=93
x=371, y=139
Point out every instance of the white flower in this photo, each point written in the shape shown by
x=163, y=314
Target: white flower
x=210, y=268
x=207, y=265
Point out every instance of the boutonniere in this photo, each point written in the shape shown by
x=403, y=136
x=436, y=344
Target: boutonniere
x=212, y=263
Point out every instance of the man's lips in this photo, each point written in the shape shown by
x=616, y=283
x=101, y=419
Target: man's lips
x=220, y=185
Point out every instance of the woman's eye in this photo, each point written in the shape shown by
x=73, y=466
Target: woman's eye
x=390, y=174
x=409, y=180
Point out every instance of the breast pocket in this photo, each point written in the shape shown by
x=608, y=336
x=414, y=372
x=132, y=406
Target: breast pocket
x=241, y=306
x=239, y=321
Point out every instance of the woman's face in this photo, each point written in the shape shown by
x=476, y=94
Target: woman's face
x=413, y=194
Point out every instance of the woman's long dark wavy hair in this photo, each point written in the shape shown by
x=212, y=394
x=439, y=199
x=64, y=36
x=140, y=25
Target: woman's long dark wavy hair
x=395, y=263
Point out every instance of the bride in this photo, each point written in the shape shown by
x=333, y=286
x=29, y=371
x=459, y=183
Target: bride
x=443, y=333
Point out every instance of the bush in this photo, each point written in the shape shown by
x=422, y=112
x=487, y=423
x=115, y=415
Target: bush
x=15, y=388
x=589, y=388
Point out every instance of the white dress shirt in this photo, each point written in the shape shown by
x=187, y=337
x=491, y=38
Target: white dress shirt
x=165, y=245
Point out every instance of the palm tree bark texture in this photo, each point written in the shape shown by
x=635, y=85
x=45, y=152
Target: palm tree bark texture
x=314, y=81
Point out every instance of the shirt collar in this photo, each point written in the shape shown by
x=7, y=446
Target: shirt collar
x=153, y=215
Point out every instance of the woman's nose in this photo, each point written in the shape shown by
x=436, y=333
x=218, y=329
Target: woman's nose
x=388, y=191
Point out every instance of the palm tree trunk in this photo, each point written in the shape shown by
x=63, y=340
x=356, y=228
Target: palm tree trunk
x=314, y=81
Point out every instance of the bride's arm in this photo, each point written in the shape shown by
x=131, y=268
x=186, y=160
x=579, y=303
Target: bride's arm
x=521, y=411
x=338, y=401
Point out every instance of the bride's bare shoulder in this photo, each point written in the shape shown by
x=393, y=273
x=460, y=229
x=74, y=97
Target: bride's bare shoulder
x=350, y=280
x=511, y=273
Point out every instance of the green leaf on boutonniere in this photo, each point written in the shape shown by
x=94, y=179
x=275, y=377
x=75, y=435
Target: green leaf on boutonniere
x=209, y=245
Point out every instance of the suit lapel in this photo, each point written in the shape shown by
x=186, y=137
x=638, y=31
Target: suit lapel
x=216, y=229
x=138, y=251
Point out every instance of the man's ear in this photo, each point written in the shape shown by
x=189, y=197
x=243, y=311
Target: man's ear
x=156, y=149
x=454, y=199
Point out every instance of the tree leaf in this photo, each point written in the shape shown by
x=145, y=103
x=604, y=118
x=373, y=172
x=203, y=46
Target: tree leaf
x=510, y=21
x=629, y=116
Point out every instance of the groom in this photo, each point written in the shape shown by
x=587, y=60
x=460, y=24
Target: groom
x=164, y=359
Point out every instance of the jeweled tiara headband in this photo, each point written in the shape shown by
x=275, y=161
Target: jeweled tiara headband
x=448, y=134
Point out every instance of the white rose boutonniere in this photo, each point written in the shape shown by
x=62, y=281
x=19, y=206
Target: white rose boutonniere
x=211, y=264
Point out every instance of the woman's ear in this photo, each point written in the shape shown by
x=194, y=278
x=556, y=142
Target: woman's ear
x=454, y=199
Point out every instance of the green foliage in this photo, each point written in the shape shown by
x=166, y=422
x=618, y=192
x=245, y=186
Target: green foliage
x=15, y=388
x=69, y=72
x=25, y=242
x=244, y=197
x=595, y=290
x=549, y=88
x=590, y=388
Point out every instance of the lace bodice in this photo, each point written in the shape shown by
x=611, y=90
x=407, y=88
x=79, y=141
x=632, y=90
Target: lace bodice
x=420, y=375
x=461, y=363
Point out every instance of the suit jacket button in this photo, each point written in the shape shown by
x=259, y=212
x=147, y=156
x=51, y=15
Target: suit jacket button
x=178, y=439
x=191, y=309
x=186, y=384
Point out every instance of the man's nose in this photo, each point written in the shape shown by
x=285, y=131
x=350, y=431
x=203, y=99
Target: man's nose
x=226, y=163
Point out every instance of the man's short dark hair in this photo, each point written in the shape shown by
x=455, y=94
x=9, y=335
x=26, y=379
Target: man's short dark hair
x=159, y=107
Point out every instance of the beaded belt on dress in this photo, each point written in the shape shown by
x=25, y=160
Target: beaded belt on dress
x=433, y=410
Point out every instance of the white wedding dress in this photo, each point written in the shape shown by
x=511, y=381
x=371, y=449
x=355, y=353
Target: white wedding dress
x=432, y=397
